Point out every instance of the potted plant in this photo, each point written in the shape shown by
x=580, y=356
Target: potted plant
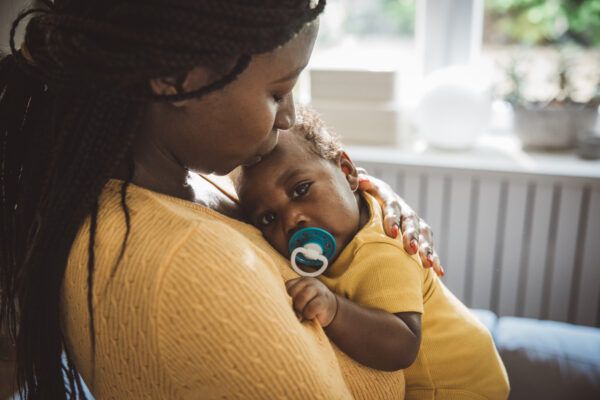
x=569, y=110
x=555, y=69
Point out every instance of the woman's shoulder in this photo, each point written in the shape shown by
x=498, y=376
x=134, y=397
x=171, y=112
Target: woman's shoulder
x=166, y=235
x=185, y=236
x=150, y=212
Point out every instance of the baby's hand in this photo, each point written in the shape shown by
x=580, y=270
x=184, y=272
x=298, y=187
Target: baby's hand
x=312, y=300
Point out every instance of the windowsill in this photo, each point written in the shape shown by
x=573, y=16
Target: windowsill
x=492, y=152
x=370, y=54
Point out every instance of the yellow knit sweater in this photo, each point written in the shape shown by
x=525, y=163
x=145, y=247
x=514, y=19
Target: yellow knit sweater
x=197, y=309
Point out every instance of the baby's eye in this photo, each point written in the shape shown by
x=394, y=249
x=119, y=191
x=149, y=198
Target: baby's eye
x=266, y=218
x=301, y=190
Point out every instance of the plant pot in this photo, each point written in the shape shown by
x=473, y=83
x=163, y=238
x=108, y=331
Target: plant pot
x=553, y=126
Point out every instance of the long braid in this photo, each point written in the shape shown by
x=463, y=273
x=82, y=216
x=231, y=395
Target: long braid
x=70, y=106
x=124, y=186
x=97, y=153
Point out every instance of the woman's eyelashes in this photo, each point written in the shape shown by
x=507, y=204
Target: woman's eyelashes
x=281, y=93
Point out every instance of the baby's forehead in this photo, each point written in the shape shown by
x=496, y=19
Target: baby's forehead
x=291, y=157
x=291, y=150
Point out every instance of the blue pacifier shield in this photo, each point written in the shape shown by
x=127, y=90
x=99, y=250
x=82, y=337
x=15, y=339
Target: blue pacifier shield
x=312, y=235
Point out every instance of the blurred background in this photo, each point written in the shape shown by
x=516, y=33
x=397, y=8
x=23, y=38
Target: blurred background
x=483, y=115
x=522, y=51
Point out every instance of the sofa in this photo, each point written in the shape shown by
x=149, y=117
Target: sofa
x=546, y=359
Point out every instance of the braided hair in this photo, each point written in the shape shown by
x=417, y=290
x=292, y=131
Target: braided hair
x=71, y=100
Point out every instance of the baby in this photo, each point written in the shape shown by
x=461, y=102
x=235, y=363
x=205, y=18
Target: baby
x=374, y=301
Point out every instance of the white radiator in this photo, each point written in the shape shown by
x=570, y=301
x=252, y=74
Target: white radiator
x=513, y=241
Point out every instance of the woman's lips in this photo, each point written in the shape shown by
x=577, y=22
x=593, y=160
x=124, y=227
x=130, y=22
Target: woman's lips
x=258, y=158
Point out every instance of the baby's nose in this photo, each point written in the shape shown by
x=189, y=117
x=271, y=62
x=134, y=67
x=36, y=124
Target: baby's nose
x=295, y=224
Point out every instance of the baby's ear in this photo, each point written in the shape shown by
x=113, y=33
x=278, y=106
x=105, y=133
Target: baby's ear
x=349, y=170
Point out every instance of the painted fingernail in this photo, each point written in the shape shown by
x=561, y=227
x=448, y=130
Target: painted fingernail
x=430, y=258
x=414, y=244
x=394, y=231
x=442, y=272
x=362, y=179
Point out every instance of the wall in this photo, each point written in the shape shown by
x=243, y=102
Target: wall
x=518, y=240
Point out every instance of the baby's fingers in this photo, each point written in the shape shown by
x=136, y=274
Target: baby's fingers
x=291, y=283
x=314, y=307
x=303, y=296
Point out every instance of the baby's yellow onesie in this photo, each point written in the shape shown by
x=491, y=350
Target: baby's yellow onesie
x=457, y=358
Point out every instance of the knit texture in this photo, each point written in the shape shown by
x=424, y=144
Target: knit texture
x=197, y=308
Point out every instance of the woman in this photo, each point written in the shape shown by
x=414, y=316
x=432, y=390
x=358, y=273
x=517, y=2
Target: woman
x=152, y=289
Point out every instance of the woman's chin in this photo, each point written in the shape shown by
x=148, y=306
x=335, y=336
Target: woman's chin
x=253, y=161
x=229, y=167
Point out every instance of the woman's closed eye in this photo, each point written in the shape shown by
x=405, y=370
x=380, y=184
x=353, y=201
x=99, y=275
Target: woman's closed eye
x=301, y=190
x=281, y=92
x=280, y=95
x=266, y=218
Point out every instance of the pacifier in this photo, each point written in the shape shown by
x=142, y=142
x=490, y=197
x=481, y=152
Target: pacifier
x=311, y=247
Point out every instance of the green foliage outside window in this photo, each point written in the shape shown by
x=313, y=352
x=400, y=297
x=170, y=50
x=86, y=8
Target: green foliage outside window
x=380, y=17
x=403, y=13
x=545, y=22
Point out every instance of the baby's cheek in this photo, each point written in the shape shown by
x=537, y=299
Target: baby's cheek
x=276, y=242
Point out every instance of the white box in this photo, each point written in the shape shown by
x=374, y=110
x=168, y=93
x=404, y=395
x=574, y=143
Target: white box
x=357, y=122
x=361, y=85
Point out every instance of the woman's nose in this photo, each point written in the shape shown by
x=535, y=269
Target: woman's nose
x=286, y=114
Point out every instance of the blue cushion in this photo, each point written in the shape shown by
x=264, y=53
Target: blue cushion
x=549, y=360
x=487, y=318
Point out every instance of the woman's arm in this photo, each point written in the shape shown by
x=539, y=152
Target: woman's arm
x=372, y=337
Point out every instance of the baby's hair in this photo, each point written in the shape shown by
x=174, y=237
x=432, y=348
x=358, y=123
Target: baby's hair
x=324, y=142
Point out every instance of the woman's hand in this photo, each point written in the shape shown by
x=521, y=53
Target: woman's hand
x=416, y=233
x=312, y=300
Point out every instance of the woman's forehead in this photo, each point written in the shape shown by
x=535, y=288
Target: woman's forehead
x=291, y=58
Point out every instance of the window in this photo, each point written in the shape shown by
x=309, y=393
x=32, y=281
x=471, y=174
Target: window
x=372, y=56
x=358, y=34
x=363, y=51
x=544, y=50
